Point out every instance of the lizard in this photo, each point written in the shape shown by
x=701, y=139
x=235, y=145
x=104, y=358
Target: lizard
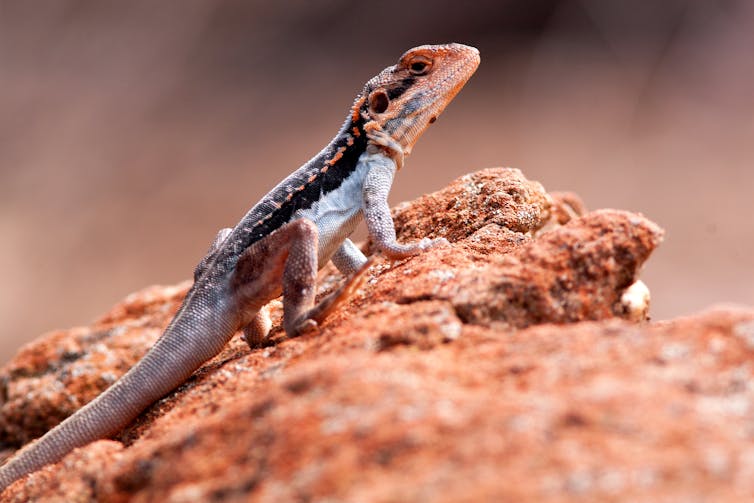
x=279, y=246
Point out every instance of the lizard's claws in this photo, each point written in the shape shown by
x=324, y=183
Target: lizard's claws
x=380, y=138
x=428, y=244
x=305, y=327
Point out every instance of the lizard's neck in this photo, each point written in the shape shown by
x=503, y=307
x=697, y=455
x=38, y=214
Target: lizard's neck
x=323, y=174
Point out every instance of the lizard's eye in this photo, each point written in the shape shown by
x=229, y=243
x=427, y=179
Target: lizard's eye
x=419, y=66
x=378, y=101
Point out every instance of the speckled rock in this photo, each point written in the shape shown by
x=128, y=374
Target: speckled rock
x=426, y=386
x=500, y=196
x=55, y=375
x=574, y=272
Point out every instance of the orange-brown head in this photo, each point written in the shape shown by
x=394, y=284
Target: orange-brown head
x=406, y=98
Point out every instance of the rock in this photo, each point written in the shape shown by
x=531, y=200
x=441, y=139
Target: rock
x=574, y=272
x=52, y=377
x=500, y=196
x=634, y=303
x=467, y=373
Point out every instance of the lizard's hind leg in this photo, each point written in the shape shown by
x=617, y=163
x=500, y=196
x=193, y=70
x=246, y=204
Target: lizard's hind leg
x=287, y=260
x=258, y=329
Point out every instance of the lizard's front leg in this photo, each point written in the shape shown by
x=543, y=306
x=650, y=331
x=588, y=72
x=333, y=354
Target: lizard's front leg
x=377, y=211
x=348, y=258
x=287, y=260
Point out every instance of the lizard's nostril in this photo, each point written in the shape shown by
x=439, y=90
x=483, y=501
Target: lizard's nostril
x=432, y=120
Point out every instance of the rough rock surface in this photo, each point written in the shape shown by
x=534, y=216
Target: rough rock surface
x=469, y=373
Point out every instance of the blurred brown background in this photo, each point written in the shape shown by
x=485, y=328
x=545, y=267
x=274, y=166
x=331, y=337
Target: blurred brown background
x=131, y=131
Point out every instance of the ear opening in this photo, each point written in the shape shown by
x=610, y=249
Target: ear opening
x=378, y=101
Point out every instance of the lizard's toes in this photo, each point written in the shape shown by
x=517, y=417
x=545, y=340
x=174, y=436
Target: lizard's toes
x=305, y=327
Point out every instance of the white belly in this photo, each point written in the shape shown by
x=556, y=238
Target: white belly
x=337, y=213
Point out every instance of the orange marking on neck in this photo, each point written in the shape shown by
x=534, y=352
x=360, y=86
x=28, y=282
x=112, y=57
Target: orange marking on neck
x=349, y=141
x=324, y=169
x=356, y=132
x=371, y=125
x=355, y=108
x=337, y=156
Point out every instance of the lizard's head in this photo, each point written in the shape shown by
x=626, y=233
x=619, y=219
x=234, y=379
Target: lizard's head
x=406, y=98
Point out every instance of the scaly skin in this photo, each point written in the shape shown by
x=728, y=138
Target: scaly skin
x=279, y=245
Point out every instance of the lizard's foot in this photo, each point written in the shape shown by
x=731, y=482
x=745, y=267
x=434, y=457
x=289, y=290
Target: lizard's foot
x=304, y=327
x=400, y=251
x=427, y=243
x=312, y=318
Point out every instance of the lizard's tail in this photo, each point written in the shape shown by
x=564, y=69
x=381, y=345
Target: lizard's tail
x=175, y=356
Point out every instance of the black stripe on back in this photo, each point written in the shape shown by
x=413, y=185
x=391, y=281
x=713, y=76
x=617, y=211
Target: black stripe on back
x=322, y=184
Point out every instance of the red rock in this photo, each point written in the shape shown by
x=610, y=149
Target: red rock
x=424, y=387
x=501, y=196
x=54, y=376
